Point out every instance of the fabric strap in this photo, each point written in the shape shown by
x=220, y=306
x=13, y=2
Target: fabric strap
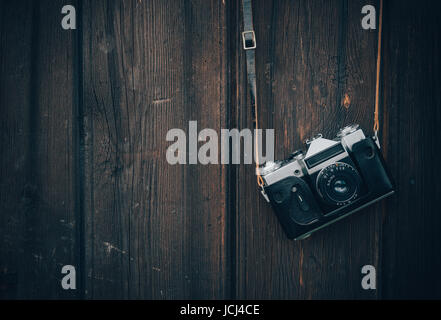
x=249, y=45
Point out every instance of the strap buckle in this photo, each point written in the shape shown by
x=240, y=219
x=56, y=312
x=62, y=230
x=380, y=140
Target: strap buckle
x=249, y=40
x=376, y=139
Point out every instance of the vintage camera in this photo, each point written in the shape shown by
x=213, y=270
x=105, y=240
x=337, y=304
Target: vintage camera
x=332, y=180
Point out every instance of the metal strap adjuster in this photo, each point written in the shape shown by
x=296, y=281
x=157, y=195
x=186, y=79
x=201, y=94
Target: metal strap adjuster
x=249, y=43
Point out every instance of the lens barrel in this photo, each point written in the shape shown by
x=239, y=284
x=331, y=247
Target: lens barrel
x=338, y=184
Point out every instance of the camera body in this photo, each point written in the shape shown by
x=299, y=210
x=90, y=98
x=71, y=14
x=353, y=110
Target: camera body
x=332, y=180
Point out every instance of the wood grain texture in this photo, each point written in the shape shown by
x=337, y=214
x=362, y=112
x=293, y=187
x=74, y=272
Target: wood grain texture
x=311, y=55
x=37, y=147
x=14, y=105
x=411, y=255
x=153, y=230
x=83, y=173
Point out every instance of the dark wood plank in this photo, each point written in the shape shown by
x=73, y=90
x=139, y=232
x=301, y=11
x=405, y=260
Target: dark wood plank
x=37, y=170
x=310, y=55
x=15, y=48
x=153, y=230
x=411, y=257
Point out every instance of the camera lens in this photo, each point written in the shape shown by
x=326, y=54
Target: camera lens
x=338, y=184
x=340, y=188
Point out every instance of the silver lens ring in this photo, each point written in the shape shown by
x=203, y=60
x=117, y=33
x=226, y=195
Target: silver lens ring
x=338, y=184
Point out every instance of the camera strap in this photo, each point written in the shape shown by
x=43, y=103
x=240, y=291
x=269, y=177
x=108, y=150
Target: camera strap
x=249, y=45
x=377, y=85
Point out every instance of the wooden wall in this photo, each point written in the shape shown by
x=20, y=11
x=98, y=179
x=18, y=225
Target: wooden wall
x=84, y=178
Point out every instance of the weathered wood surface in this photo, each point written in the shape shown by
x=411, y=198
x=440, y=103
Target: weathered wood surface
x=153, y=230
x=84, y=178
x=411, y=221
x=38, y=154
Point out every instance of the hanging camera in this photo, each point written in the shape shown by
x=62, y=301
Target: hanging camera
x=333, y=179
